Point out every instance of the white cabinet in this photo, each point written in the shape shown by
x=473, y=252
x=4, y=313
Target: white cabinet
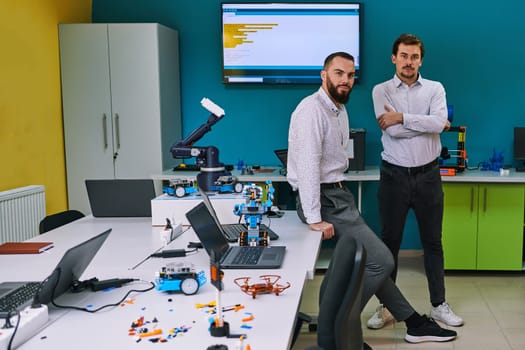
x=121, y=102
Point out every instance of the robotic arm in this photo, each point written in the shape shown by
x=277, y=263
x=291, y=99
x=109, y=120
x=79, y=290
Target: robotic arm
x=208, y=156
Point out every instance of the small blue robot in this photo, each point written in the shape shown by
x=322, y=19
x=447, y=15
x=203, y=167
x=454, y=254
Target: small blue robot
x=180, y=188
x=253, y=209
x=227, y=184
x=179, y=277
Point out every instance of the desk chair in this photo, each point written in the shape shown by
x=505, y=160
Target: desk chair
x=339, y=320
x=56, y=220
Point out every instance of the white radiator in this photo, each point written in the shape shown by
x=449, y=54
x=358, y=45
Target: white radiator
x=21, y=210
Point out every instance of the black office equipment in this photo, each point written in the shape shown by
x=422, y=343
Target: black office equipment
x=208, y=229
x=339, y=320
x=357, y=138
x=120, y=198
x=519, y=147
x=53, y=221
x=18, y=295
x=282, y=154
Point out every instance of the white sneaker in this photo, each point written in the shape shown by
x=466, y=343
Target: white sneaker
x=445, y=314
x=379, y=318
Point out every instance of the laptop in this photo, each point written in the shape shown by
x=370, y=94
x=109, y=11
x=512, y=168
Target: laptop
x=210, y=233
x=120, y=198
x=282, y=154
x=72, y=265
x=233, y=231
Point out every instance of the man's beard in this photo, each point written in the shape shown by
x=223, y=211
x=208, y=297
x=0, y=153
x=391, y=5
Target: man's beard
x=410, y=75
x=339, y=97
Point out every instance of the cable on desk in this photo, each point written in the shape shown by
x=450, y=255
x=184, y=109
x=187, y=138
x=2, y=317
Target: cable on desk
x=172, y=253
x=104, y=306
x=8, y=325
x=108, y=305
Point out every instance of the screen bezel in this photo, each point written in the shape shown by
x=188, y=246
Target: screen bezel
x=314, y=72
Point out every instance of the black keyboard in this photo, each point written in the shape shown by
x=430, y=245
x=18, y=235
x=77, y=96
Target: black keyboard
x=18, y=297
x=248, y=255
x=233, y=231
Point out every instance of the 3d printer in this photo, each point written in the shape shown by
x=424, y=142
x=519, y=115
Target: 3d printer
x=207, y=157
x=460, y=154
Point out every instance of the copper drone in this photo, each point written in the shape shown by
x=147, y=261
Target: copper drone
x=269, y=285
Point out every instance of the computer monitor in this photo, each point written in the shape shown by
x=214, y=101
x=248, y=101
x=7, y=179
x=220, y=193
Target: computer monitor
x=286, y=43
x=519, y=147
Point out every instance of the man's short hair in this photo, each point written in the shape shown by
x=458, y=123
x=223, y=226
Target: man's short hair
x=408, y=39
x=342, y=54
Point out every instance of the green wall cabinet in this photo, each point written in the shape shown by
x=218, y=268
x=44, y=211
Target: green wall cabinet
x=483, y=226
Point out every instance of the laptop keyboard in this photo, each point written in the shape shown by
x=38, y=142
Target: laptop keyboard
x=233, y=231
x=19, y=297
x=248, y=255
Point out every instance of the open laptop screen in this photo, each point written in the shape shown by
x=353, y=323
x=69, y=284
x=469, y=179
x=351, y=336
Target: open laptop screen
x=70, y=268
x=208, y=231
x=120, y=197
x=282, y=154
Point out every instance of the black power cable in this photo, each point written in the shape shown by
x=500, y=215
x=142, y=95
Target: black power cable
x=8, y=325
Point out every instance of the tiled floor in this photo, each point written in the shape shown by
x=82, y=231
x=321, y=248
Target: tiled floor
x=492, y=305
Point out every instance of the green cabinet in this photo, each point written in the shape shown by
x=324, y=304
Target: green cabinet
x=460, y=226
x=483, y=226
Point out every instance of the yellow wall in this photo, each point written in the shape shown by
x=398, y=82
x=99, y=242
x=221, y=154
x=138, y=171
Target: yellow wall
x=31, y=134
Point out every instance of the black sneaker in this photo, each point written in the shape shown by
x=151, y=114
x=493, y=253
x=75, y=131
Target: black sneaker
x=429, y=331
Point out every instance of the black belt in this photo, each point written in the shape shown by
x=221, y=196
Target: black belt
x=339, y=184
x=412, y=170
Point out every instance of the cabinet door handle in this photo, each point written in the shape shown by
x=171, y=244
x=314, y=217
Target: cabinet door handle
x=117, y=128
x=472, y=199
x=105, y=129
x=484, y=200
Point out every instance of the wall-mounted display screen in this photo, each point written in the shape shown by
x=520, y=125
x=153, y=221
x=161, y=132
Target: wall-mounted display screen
x=286, y=43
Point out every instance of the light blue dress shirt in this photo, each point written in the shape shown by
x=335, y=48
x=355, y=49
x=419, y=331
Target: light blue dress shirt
x=416, y=141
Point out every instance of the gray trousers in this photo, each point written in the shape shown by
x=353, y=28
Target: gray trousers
x=338, y=208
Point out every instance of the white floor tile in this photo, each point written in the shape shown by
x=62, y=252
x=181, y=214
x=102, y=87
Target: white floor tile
x=491, y=303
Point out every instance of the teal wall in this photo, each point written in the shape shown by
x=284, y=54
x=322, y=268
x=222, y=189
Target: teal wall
x=472, y=47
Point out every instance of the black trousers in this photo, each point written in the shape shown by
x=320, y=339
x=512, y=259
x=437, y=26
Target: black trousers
x=420, y=189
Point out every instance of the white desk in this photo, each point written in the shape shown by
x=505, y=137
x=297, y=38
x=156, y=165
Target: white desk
x=488, y=176
x=131, y=241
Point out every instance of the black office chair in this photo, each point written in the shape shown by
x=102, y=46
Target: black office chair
x=56, y=220
x=339, y=320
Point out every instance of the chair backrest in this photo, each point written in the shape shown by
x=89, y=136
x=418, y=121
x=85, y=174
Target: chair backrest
x=339, y=321
x=56, y=220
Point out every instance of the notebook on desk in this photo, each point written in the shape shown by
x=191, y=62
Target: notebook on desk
x=16, y=296
x=120, y=197
x=211, y=235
